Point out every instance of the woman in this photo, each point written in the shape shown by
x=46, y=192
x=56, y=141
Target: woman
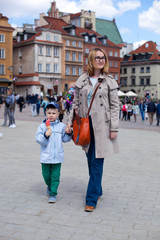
x=135, y=108
x=61, y=107
x=104, y=118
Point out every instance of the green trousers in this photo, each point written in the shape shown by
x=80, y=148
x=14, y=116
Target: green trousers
x=51, y=175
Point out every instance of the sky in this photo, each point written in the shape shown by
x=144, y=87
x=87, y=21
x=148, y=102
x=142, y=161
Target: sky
x=138, y=21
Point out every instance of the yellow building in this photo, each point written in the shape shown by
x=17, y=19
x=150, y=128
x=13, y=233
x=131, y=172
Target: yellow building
x=6, y=54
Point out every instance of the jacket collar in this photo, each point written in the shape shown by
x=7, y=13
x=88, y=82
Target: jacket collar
x=84, y=78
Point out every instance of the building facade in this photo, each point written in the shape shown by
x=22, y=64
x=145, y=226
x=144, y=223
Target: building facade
x=37, y=61
x=140, y=71
x=6, y=54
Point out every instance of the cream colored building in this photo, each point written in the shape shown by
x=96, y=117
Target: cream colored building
x=140, y=71
x=37, y=62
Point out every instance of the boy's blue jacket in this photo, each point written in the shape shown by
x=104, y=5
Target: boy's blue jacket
x=52, y=149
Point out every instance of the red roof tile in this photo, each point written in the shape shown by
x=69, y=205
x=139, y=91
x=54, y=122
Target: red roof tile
x=27, y=83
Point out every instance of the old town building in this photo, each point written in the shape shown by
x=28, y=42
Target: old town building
x=140, y=71
x=37, y=61
x=6, y=54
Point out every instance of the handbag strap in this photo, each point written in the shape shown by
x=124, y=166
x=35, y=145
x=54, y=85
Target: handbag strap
x=76, y=116
x=93, y=99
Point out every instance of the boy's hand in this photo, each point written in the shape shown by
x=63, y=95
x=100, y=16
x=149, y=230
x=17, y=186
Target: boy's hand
x=68, y=129
x=48, y=132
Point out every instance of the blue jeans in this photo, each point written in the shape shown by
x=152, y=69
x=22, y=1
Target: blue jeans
x=142, y=115
x=95, y=166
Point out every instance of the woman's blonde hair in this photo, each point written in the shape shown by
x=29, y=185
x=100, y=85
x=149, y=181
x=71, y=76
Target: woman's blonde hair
x=91, y=59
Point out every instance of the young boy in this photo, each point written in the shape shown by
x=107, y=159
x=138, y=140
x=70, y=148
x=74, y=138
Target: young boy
x=52, y=154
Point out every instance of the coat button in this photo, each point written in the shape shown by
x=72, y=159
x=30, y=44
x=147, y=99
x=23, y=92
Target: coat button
x=80, y=103
x=101, y=104
x=100, y=96
x=81, y=94
x=99, y=87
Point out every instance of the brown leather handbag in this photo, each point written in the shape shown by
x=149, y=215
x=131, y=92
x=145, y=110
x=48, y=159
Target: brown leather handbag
x=81, y=129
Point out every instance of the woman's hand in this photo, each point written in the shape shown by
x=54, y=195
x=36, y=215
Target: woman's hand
x=113, y=135
x=68, y=129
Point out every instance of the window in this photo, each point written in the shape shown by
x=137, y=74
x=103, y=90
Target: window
x=133, y=82
x=147, y=81
x=40, y=66
x=1, y=69
x=133, y=70
x=110, y=53
x=56, y=51
x=79, y=70
x=2, y=38
x=20, y=69
x=87, y=50
x=56, y=38
x=142, y=81
x=72, y=32
x=55, y=68
x=73, y=70
x=147, y=69
x=120, y=70
x=18, y=38
x=86, y=61
x=116, y=76
x=104, y=41
x=110, y=63
x=66, y=86
x=125, y=70
x=48, y=37
x=20, y=52
x=67, y=55
x=48, y=68
x=79, y=57
x=142, y=69
x=115, y=64
x=67, y=70
x=67, y=43
x=80, y=44
x=2, y=53
x=116, y=54
x=125, y=81
x=48, y=51
x=40, y=50
x=78, y=22
x=74, y=56
x=93, y=39
x=73, y=43
x=25, y=36
x=86, y=38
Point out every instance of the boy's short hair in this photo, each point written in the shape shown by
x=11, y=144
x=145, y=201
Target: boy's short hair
x=52, y=105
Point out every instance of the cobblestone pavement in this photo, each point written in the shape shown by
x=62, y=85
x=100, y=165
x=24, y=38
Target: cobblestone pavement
x=129, y=210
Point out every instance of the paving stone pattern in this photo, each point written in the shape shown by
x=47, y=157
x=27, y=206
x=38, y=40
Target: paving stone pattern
x=129, y=210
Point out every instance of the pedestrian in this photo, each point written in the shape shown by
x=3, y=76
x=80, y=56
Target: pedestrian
x=45, y=101
x=142, y=107
x=38, y=105
x=50, y=139
x=9, y=108
x=62, y=109
x=135, y=109
x=158, y=112
x=104, y=118
x=33, y=102
x=129, y=110
x=124, y=111
x=151, y=109
x=1, y=102
x=20, y=102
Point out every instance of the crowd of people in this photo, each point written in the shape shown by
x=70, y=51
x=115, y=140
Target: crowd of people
x=146, y=107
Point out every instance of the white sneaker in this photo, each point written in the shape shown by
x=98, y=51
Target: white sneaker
x=13, y=125
x=1, y=134
x=10, y=126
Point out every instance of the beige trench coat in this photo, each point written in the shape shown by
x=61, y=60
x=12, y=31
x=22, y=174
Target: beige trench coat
x=104, y=111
